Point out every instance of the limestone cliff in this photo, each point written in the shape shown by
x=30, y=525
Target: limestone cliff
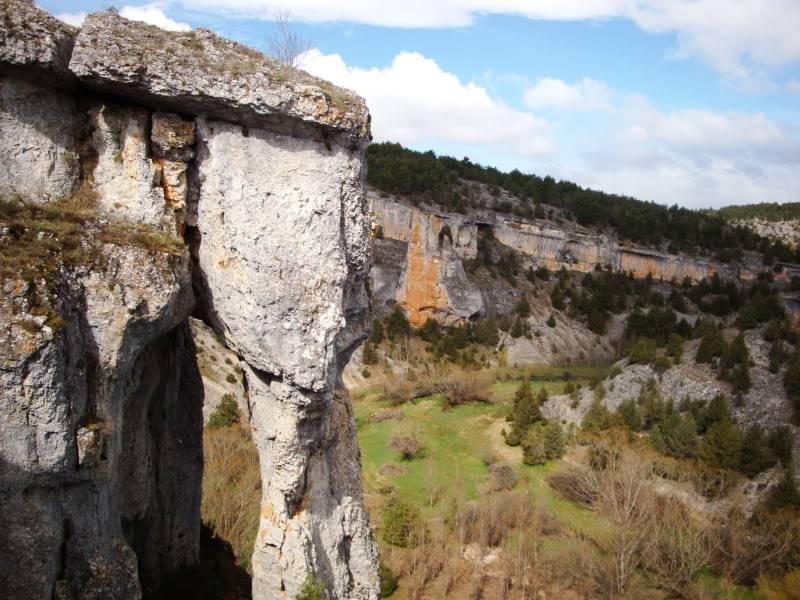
x=154, y=174
x=420, y=253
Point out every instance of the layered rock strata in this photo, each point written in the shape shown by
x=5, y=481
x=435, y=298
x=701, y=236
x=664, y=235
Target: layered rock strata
x=260, y=169
x=429, y=279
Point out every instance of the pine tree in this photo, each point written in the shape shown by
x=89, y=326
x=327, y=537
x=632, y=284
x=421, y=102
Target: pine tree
x=523, y=308
x=551, y=321
x=554, y=440
x=557, y=298
x=737, y=353
x=226, y=413
x=781, y=443
x=676, y=436
x=516, y=329
x=757, y=456
x=712, y=345
x=643, y=351
x=717, y=411
x=525, y=412
x=533, y=446
x=740, y=379
x=631, y=414
x=785, y=494
x=776, y=356
x=722, y=445
x=652, y=404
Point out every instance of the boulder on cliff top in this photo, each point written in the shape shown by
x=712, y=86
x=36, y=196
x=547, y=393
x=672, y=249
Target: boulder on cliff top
x=33, y=39
x=202, y=73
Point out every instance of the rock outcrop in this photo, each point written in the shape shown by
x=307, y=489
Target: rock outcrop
x=201, y=174
x=420, y=253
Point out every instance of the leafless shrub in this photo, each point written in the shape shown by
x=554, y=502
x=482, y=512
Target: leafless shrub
x=285, y=45
x=678, y=548
x=397, y=391
x=386, y=415
x=502, y=476
x=767, y=543
x=488, y=523
x=578, y=484
x=408, y=446
x=459, y=387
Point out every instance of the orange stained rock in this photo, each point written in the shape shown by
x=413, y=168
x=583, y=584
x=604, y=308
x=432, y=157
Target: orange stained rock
x=422, y=293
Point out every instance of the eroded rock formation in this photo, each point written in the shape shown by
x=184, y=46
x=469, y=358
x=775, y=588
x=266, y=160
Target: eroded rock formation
x=418, y=261
x=196, y=172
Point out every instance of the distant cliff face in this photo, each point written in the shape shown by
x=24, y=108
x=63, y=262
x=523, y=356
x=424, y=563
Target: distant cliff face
x=419, y=258
x=174, y=170
x=787, y=231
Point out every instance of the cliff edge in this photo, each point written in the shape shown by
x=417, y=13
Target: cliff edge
x=148, y=176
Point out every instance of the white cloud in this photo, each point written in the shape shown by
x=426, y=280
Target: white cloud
x=742, y=39
x=414, y=101
x=149, y=13
x=74, y=19
x=153, y=14
x=696, y=158
x=586, y=94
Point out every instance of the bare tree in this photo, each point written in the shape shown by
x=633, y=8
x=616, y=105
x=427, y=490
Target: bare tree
x=285, y=45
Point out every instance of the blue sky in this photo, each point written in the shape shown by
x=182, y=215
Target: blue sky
x=690, y=102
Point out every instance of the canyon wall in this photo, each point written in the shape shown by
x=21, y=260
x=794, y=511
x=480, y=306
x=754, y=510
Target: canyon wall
x=425, y=245
x=179, y=172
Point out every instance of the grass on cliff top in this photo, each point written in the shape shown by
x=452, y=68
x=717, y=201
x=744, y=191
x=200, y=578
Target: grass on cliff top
x=37, y=239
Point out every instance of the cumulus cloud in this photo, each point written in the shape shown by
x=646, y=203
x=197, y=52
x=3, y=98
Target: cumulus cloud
x=696, y=158
x=740, y=38
x=586, y=94
x=150, y=13
x=413, y=101
x=154, y=15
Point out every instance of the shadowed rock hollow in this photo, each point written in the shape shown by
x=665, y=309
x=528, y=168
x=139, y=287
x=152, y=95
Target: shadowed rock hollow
x=177, y=173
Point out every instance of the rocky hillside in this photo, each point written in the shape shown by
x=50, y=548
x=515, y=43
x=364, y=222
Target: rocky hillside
x=774, y=221
x=147, y=176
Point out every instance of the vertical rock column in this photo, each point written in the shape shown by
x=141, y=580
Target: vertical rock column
x=283, y=255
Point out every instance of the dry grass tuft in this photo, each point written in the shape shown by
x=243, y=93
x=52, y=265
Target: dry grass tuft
x=232, y=489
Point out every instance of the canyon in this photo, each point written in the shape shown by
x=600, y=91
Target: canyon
x=178, y=174
x=420, y=253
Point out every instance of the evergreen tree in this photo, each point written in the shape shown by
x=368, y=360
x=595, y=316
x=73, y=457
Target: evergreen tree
x=557, y=298
x=524, y=308
x=740, y=379
x=675, y=436
x=226, y=413
x=785, y=494
x=675, y=347
x=631, y=414
x=722, y=445
x=781, y=444
x=737, y=353
x=712, y=345
x=757, y=456
x=516, y=329
x=525, y=412
x=533, y=449
x=643, y=351
x=717, y=411
x=551, y=321
x=776, y=356
x=554, y=440
x=652, y=404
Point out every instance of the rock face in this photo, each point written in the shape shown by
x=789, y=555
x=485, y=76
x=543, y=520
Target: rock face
x=420, y=253
x=262, y=174
x=431, y=281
